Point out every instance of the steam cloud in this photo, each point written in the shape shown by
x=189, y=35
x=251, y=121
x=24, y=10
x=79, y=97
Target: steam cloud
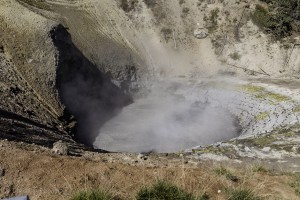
x=170, y=117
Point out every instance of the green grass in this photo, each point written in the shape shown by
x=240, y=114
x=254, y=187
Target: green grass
x=252, y=88
x=264, y=141
x=163, y=190
x=242, y=194
x=262, y=116
x=94, y=195
x=261, y=93
x=224, y=172
x=260, y=169
x=276, y=97
x=296, y=185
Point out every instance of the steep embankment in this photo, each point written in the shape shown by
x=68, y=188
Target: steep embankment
x=165, y=35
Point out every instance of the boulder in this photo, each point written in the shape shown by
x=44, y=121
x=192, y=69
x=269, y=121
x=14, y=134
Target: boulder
x=200, y=33
x=60, y=148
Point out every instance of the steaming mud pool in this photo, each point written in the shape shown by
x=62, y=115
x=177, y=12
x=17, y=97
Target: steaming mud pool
x=171, y=116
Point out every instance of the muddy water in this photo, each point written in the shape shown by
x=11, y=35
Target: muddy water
x=171, y=116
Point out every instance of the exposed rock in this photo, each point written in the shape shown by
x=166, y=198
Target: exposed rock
x=142, y=157
x=60, y=148
x=2, y=172
x=266, y=149
x=247, y=149
x=200, y=33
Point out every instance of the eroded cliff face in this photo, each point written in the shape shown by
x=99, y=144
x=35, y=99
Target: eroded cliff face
x=103, y=51
x=176, y=38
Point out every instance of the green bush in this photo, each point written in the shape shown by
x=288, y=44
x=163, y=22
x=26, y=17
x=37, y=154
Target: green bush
x=279, y=17
x=242, y=194
x=261, y=17
x=163, y=191
x=235, y=56
x=212, y=20
x=128, y=5
x=94, y=195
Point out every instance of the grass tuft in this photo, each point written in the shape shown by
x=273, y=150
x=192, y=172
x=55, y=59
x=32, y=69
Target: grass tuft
x=224, y=172
x=242, y=194
x=94, y=195
x=260, y=169
x=296, y=185
x=164, y=191
x=263, y=141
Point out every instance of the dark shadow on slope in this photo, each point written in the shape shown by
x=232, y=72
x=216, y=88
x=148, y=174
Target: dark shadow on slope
x=87, y=93
x=15, y=127
x=13, y=116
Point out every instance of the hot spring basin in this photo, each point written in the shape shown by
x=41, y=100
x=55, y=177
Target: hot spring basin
x=176, y=115
x=169, y=118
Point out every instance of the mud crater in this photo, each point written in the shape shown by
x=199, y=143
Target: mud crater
x=169, y=116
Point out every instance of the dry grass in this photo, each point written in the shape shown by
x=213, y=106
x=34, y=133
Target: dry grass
x=60, y=177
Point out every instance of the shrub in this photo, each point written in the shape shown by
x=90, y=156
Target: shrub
x=94, y=195
x=128, y=5
x=242, y=194
x=164, y=191
x=235, y=56
x=212, y=20
x=150, y=3
x=181, y=2
x=279, y=18
x=167, y=33
x=261, y=17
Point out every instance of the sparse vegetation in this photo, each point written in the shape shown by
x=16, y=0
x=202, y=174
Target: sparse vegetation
x=296, y=108
x=278, y=17
x=181, y=2
x=164, y=190
x=167, y=33
x=296, y=185
x=272, y=96
x=150, y=3
x=242, y=194
x=224, y=172
x=262, y=116
x=253, y=88
x=260, y=169
x=94, y=195
x=185, y=12
x=235, y=56
x=128, y=5
x=212, y=20
x=264, y=141
x=261, y=93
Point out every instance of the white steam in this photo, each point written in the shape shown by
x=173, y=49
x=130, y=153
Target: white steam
x=170, y=117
